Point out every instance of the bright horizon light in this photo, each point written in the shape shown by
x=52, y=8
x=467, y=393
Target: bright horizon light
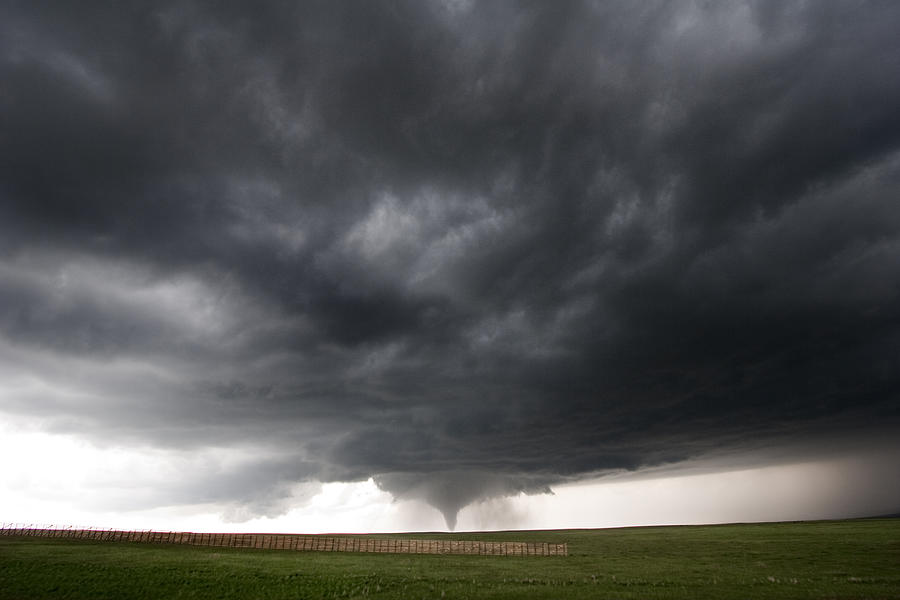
x=59, y=480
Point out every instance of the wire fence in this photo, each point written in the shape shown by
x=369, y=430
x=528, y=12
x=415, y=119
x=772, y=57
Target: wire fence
x=307, y=543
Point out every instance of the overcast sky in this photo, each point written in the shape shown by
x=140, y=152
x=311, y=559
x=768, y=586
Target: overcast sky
x=449, y=254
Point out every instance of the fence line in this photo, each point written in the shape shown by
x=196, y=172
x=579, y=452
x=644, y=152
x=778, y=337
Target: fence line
x=303, y=543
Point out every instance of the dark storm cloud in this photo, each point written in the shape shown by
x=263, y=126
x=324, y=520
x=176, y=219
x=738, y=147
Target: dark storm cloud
x=467, y=249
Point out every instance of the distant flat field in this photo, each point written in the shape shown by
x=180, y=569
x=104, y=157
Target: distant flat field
x=825, y=559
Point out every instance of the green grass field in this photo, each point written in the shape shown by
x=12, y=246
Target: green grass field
x=839, y=559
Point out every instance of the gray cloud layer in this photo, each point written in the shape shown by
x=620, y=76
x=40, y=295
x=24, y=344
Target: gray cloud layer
x=468, y=249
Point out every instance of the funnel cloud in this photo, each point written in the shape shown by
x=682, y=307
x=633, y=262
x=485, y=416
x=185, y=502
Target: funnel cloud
x=469, y=250
x=450, y=492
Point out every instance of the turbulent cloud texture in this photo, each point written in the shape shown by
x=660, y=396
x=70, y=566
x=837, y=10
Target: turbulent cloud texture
x=468, y=249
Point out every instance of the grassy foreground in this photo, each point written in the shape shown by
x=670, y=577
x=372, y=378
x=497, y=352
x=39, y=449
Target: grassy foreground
x=839, y=559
